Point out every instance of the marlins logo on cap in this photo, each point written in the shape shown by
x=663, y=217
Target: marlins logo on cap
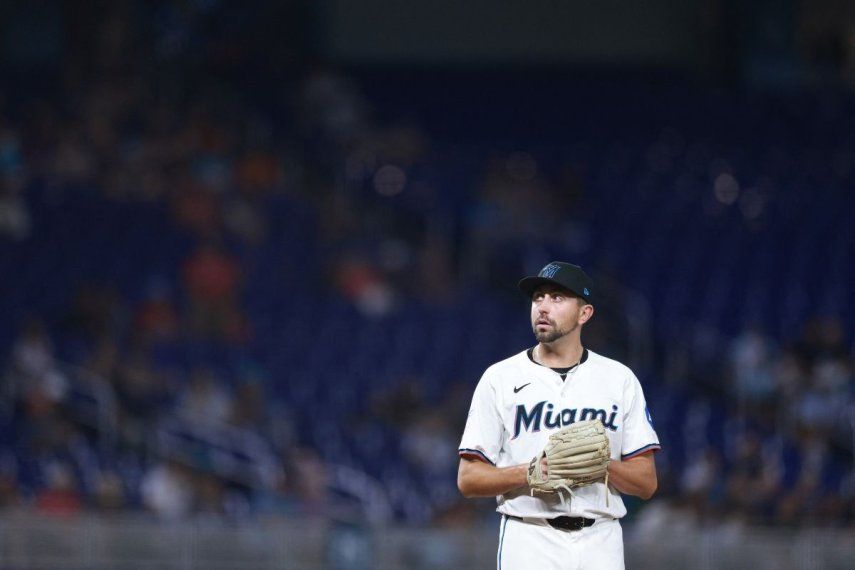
x=566, y=275
x=549, y=271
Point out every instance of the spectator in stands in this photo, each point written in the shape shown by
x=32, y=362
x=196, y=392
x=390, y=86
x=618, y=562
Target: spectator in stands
x=10, y=493
x=823, y=337
x=60, y=497
x=362, y=283
x=248, y=407
x=167, y=490
x=310, y=481
x=278, y=499
x=197, y=209
x=429, y=445
x=702, y=482
x=205, y=399
x=209, y=495
x=212, y=280
x=156, y=320
x=751, y=362
x=34, y=374
x=109, y=494
x=15, y=219
x=142, y=393
x=752, y=481
x=244, y=218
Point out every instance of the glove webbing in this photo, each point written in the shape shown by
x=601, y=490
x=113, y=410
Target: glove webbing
x=564, y=487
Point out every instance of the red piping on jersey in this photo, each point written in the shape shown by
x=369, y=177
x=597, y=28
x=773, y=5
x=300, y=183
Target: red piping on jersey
x=476, y=454
x=646, y=449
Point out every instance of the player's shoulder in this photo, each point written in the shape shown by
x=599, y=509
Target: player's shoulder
x=612, y=366
x=506, y=368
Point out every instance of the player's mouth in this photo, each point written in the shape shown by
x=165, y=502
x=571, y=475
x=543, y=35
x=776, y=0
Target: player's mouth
x=542, y=322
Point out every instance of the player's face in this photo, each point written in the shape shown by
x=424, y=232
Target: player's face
x=555, y=313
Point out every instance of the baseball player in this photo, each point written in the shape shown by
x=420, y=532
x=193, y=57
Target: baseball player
x=557, y=433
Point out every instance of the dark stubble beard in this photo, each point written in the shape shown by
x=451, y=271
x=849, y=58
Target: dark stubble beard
x=548, y=336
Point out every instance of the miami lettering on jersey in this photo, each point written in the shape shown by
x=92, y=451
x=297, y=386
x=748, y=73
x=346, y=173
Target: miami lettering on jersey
x=531, y=420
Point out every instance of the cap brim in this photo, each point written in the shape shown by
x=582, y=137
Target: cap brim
x=528, y=284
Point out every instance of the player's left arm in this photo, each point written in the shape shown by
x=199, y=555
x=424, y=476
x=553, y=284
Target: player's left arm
x=634, y=475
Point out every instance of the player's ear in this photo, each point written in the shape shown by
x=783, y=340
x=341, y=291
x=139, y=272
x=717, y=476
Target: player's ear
x=585, y=313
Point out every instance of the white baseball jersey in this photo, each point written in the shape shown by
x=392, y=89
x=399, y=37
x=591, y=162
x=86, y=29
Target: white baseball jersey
x=518, y=403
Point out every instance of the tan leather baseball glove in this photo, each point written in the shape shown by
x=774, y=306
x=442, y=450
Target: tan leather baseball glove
x=576, y=455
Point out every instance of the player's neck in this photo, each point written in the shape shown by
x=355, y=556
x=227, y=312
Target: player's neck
x=562, y=353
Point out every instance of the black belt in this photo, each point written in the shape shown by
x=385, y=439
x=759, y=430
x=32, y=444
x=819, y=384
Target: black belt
x=563, y=523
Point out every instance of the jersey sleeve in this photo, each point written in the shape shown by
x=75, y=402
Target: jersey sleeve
x=482, y=437
x=639, y=436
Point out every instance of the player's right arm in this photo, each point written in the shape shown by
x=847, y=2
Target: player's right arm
x=476, y=478
x=477, y=475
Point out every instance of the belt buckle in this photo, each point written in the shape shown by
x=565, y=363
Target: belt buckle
x=568, y=523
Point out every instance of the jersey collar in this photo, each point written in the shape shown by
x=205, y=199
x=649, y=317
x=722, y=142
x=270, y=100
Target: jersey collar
x=562, y=371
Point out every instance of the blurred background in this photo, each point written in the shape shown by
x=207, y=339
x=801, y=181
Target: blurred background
x=254, y=257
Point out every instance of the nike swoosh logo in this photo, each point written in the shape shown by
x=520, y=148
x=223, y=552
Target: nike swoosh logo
x=520, y=388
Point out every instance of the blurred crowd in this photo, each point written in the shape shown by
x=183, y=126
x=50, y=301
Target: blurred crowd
x=767, y=433
x=140, y=361
x=131, y=384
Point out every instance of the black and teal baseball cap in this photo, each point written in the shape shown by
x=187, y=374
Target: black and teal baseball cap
x=563, y=274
